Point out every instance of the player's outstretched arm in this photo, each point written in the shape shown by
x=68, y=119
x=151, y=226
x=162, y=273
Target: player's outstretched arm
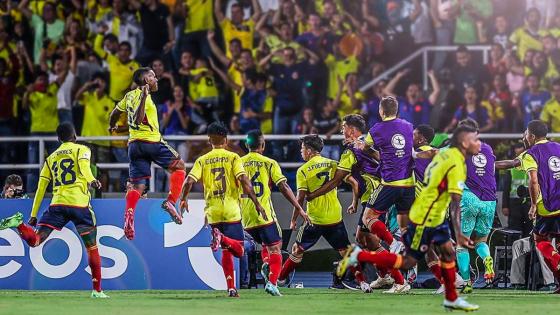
x=355, y=194
x=507, y=164
x=248, y=190
x=330, y=185
x=428, y=154
x=187, y=186
x=455, y=212
x=289, y=195
x=301, y=194
x=44, y=180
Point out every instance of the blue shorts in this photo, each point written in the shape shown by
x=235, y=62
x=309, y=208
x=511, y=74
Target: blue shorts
x=418, y=238
x=142, y=154
x=476, y=215
x=266, y=235
x=233, y=230
x=335, y=235
x=385, y=196
x=56, y=217
x=545, y=226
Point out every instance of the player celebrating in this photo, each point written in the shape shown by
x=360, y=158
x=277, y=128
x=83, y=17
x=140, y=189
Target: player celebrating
x=145, y=146
x=68, y=168
x=422, y=137
x=325, y=212
x=220, y=171
x=478, y=206
x=445, y=178
x=263, y=171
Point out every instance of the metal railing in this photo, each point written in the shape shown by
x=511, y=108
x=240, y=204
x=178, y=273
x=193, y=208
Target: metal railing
x=424, y=51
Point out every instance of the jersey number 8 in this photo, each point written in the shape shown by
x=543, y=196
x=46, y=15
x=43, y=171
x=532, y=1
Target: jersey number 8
x=67, y=174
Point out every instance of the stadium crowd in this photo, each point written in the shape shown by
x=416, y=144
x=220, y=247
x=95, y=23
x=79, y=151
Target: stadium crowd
x=286, y=67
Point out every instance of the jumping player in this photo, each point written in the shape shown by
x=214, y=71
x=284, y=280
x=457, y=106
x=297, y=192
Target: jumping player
x=221, y=173
x=444, y=178
x=68, y=168
x=263, y=172
x=145, y=146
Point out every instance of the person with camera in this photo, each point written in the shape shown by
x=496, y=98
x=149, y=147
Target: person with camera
x=13, y=188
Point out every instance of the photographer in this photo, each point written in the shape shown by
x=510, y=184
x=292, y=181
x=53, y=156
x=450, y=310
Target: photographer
x=13, y=188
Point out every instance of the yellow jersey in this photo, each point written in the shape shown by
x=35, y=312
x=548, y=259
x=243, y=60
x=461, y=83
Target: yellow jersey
x=244, y=32
x=219, y=171
x=339, y=68
x=263, y=172
x=551, y=114
x=445, y=175
x=43, y=108
x=206, y=85
x=325, y=209
x=68, y=168
x=148, y=129
x=200, y=15
x=525, y=41
x=96, y=116
x=368, y=182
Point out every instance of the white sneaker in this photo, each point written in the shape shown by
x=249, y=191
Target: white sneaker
x=381, y=282
x=440, y=290
x=364, y=286
x=398, y=288
x=459, y=282
x=460, y=304
x=396, y=247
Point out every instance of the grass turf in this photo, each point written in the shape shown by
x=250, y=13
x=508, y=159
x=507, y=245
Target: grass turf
x=307, y=301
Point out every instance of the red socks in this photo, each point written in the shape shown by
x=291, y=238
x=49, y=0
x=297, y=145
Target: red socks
x=275, y=264
x=397, y=276
x=176, y=180
x=289, y=266
x=28, y=235
x=448, y=275
x=380, y=229
x=435, y=268
x=550, y=255
x=227, y=266
x=94, y=261
x=357, y=272
x=132, y=197
x=234, y=246
x=383, y=259
x=264, y=255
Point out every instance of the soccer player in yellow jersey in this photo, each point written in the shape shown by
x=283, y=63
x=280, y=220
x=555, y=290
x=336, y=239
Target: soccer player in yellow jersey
x=221, y=173
x=263, y=172
x=324, y=212
x=68, y=169
x=444, y=182
x=145, y=145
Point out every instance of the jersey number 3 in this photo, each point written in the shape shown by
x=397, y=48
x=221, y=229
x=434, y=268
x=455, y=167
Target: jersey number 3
x=220, y=177
x=64, y=172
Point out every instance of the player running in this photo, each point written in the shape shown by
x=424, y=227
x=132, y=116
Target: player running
x=264, y=171
x=325, y=212
x=221, y=172
x=68, y=168
x=445, y=178
x=478, y=206
x=145, y=146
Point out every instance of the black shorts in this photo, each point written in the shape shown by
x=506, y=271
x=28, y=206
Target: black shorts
x=233, y=230
x=267, y=235
x=418, y=238
x=142, y=154
x=57, y=216
x=384, y=197
x=335, y=235
x=547, y=226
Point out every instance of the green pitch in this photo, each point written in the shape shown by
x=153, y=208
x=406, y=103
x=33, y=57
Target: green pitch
x=294, y=301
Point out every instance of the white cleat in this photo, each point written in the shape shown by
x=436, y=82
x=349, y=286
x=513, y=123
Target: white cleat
x=440, y=290
x=381, y=282
x=459, y=304
x=396, y=247
x=459, y=282
x=364, y=286
x=398, y=288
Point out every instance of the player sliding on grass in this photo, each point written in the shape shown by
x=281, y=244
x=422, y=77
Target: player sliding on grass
x=68, y=168
x=263, y=172
x=445, y=180
x=325, y=212
x=145, y=146
x=221, y=172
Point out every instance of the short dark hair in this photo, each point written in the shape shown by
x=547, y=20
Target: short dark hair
x=13, y=179
x=427, y=132
x=217, y=129
x=462, y=49
x=253, y=139
x=537, y=128
x=313, y=142
x=390, y=105
x=65, y=132
x=99, y=75
x=138, y=76
x=127, y=44
x=111, y=37
x=458, y=134
x=235, y=40
x=356, y=121
x=470, y=123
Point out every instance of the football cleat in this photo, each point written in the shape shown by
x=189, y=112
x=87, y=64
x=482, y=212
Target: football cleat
x=381, y=282
x=412, y=274
x=350, y=259
x=11, y=222
x=265, y=271
x=468, y=288
x=282, y=283
x=129, y=224
x=398, y=288
x=216, y=239
x=98, y=295
x=396, y=247
x=233, y=293
x=459, y=304
x=459, y=282
x=440, y=290
x=489, y=270
x=272, y=289
x=364, y=286
x=169, y=207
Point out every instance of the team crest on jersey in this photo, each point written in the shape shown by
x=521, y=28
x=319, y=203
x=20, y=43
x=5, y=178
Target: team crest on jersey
x=554, y=164
x=479, y=160
x=398, y=141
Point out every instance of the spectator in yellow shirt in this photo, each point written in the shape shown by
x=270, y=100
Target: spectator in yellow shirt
x=198, y=17
x=528, y=36
x=551, y=111
x=237, y=27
